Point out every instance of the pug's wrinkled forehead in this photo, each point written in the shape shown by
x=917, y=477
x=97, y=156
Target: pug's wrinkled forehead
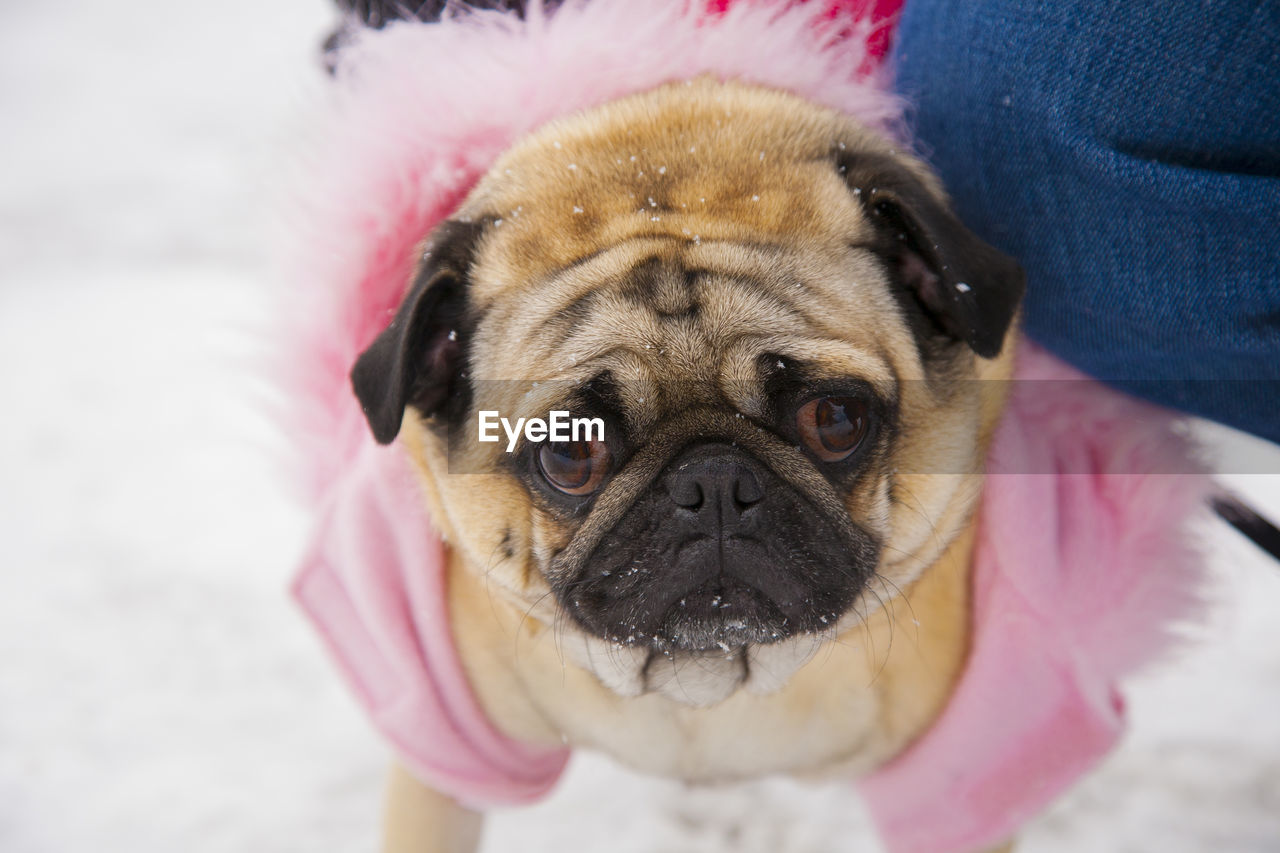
x=681, y=239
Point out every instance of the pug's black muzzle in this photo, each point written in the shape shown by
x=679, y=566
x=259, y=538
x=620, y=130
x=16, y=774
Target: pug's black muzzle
x=719, y=551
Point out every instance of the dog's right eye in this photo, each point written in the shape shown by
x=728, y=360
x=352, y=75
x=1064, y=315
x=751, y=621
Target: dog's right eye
x=574, y=467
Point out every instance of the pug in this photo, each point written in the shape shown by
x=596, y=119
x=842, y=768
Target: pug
x=759, y=564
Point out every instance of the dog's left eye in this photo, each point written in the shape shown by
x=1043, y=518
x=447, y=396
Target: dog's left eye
x=574, y=467
x=833, y=427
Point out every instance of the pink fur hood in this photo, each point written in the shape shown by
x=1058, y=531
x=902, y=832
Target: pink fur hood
x=1081, y=562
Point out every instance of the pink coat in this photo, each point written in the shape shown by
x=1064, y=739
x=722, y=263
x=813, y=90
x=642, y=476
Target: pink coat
x=1081, y=563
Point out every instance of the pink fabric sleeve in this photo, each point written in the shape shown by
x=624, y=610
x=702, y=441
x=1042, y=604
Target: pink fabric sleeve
x=373, y=584
x=1082, y=564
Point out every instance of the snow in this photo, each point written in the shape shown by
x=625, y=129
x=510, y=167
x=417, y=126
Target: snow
x=158, y=690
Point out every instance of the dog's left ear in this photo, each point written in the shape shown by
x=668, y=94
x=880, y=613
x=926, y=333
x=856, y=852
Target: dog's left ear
x=420, y=359
x=967, y=288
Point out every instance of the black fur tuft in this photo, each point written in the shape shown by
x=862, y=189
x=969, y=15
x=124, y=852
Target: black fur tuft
x=376, y=14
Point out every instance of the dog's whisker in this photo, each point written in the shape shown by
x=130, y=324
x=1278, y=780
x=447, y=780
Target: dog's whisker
x=888, y=648
x=524, y=618
x=900, y=595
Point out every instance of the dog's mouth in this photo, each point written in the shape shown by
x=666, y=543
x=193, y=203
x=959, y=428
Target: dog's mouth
x=722, y=613
x=720, y=572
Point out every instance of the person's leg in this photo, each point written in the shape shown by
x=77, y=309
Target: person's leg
x=1128, y=154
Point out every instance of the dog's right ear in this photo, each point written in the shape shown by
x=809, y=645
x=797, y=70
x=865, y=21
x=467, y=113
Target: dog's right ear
x=419, y=359
x=965, y=289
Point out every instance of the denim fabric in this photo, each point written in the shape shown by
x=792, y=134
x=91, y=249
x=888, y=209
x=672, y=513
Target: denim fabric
x=1128, y=154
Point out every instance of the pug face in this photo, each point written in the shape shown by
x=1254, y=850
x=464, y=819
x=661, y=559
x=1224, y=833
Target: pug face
x=779, y=324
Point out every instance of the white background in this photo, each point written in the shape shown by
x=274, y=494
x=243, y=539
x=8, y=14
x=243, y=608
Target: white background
x=158, y=691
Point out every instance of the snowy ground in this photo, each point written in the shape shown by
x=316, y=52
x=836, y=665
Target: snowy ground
x=157, y=690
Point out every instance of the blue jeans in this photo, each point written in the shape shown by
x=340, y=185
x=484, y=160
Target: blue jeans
x=1128, y=154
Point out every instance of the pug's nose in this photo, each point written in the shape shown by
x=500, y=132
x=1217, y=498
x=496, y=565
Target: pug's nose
x=718, y=491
